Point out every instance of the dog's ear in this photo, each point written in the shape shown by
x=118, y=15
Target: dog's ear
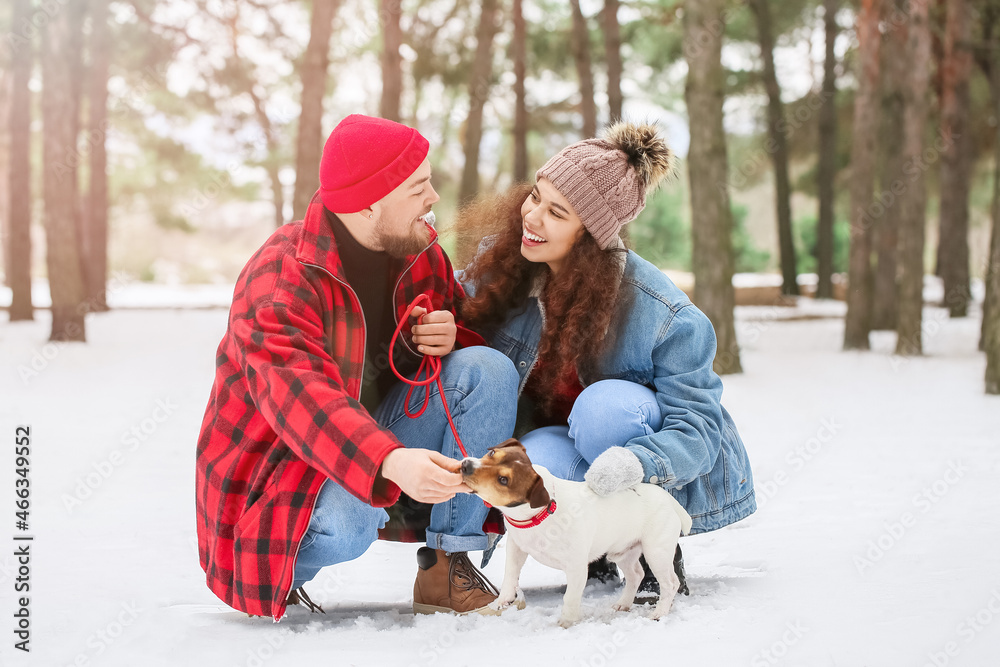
x=509, y=442
x=538, y=496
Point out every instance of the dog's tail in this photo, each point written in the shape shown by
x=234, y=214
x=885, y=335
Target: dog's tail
x=685, y=519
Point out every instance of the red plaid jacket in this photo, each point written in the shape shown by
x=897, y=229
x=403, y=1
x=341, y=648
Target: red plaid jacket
x=284, y=414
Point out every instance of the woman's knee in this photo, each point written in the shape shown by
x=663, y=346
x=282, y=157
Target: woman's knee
x=610, y=413
x=552, y=448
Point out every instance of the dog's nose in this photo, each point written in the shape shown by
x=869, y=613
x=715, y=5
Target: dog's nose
x=467, y=466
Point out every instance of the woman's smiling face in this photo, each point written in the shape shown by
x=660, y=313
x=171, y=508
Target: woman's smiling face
x=549, y=226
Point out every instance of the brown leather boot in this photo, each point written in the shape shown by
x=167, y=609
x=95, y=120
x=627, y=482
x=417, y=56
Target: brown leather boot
x=450, y=583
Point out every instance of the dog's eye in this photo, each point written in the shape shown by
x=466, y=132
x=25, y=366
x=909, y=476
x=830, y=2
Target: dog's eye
x=503, y=481
x=490, y=455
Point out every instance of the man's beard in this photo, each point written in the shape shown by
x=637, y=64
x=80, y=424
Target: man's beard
x=401, y=246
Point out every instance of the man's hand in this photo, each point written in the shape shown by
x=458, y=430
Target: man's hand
x=424, y=475
x=436, y=333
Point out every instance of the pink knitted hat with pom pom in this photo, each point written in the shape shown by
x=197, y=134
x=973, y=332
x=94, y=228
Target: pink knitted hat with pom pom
x=606, y=180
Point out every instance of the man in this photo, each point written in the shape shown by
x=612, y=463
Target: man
x=305, y=439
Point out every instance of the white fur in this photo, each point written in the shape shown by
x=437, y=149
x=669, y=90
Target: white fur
x=615, y=469
x=645, y=520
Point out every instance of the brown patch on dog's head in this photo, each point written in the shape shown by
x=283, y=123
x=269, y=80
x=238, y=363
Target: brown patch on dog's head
x=504, y=477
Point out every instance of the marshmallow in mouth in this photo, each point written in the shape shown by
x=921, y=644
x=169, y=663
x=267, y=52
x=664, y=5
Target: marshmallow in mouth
x=532, y=237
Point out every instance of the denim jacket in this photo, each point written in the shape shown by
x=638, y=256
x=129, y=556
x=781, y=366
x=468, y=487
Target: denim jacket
x=662, y=341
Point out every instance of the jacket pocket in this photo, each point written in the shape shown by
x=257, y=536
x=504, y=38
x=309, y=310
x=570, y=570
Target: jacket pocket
x=247, y=530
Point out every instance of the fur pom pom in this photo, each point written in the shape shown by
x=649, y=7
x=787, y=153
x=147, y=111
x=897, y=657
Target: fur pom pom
x=615, y=469
x=646, y=151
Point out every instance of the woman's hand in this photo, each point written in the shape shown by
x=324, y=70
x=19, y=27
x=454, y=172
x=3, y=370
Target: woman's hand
x=435, y=335
x=423, y=474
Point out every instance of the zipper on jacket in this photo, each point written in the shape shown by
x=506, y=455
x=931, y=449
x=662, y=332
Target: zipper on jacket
x=364, y=336
x=295, y=558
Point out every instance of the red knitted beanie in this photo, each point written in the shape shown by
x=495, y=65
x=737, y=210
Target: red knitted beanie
x=365, y=159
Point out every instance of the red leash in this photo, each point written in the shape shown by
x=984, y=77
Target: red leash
x=430, y=366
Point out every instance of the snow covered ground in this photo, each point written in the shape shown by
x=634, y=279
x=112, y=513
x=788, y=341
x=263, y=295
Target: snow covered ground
x=877, y=541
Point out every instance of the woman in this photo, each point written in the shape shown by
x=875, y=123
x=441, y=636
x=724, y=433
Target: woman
x=615, y=362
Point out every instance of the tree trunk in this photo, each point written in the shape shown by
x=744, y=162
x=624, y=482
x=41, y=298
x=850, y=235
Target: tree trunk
x=392, y=62
x=913, y=201
x=864, y=149
x=247, y=83
x=19, y=218
x=711, y=216
x=272, y=166
x=581, y=56
x=277, y=189
x=479, y=92
x=96, y=217
x=78, y=77
x=519, y=47
x=778, y=148
x=886, y=230
x=309, y=145
x=59, y=148
x=612, y=51
x=956, y=159
x=989, y=340
x=826, y=173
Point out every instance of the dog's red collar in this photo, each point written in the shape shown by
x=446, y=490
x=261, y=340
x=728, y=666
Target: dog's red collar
x=533, y=521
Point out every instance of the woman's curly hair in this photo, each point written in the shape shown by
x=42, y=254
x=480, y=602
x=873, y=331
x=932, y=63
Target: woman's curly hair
x=579, y=301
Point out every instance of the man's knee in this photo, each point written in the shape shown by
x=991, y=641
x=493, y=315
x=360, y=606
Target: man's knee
x=352, y=532
x=478, y=365
x=348, y=520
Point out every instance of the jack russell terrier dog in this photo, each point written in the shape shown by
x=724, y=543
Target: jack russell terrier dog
x=565, y=525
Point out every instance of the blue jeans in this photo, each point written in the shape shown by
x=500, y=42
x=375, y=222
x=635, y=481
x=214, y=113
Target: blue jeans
x=608, y=413
x=480, y=385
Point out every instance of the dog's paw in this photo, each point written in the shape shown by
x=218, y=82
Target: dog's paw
x=622, y=606
x=500, y=605
x=566, y=619
x=503, y=603
x=659, y=611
